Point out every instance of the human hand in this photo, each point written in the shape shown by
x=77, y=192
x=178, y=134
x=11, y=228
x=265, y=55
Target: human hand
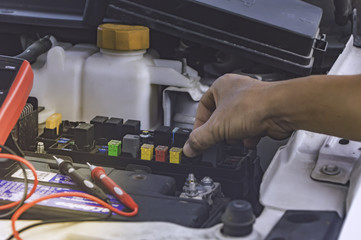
x=235, y=108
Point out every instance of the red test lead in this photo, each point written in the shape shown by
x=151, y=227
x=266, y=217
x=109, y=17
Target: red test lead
x=98, y=174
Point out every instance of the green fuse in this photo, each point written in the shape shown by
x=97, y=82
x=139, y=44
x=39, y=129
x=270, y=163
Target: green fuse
x=114, y=148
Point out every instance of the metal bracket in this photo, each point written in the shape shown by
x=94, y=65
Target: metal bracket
x=320, y=48
x=336, y=160
x=355, y=33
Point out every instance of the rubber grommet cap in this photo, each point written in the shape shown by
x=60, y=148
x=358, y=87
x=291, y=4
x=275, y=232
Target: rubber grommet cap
x=238, y=219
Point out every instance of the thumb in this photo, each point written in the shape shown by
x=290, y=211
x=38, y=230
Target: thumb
x=199, y=140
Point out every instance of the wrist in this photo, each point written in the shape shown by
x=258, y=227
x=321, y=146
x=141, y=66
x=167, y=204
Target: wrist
x=288, y=105
x=295, y=104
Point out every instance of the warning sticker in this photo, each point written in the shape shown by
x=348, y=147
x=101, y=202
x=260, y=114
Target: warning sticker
x=13, y=191
x=42, y=176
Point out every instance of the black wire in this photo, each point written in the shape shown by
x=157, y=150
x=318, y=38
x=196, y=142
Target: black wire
x=64, y=220
x=25, y=182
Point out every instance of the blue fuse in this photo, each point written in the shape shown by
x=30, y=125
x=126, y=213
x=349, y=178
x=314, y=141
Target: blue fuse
x=103, y=149
x=180, y=136
x=63, y=140
x=173, y=133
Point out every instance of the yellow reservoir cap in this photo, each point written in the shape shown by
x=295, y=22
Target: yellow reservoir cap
x=123, y=37
x=54, y=121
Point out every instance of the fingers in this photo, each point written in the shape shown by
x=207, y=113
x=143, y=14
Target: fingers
x=200, y=139
x=203, y=138
x=205, y=109
x=217, y=118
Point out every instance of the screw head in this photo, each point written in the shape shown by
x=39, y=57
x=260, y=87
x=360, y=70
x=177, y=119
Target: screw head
x=330, y=169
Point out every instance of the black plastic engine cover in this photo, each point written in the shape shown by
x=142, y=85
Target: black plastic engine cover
x=279, y=33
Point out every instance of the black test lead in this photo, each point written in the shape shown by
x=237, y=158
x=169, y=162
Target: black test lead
x=66, y=168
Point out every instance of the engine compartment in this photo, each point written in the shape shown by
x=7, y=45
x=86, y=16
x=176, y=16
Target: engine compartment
x=192, y=43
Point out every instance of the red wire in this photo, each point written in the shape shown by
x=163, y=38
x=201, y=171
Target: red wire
x=25, y=207
x=30, y=166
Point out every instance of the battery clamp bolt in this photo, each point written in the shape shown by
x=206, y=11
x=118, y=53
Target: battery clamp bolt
x=207, y=182
x=192, y=191
x=190, y=179
x=330, y=169
x=205, y=189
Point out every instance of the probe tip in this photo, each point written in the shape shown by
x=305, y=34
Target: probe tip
x=90, y=166
x=58, y=160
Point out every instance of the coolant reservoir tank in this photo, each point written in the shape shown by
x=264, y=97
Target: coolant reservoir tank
x=57, y=80
x=116, y=80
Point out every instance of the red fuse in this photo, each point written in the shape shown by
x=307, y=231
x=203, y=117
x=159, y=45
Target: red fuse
x=161, y=153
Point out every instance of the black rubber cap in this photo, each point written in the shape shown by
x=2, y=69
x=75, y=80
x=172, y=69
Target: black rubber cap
x=238, y=219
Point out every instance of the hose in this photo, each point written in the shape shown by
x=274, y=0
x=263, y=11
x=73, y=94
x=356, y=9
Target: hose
x=36, y=49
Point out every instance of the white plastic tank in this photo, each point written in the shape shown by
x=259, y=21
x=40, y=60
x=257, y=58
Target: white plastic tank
x=57, y=80
x=116, y=80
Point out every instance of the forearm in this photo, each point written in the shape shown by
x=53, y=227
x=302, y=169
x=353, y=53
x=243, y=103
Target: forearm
x=240, y=108
x=325, y=104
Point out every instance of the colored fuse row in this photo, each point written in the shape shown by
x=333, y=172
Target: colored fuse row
x=161, y=153
x=129, y=145
x=114, y=148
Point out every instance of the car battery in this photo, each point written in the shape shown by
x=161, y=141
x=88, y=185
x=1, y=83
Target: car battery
x=153, y=193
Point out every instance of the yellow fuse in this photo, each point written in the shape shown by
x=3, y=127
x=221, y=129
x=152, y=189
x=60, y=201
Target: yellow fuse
x=53, y=121
x=146, y=152
x=175, y=155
